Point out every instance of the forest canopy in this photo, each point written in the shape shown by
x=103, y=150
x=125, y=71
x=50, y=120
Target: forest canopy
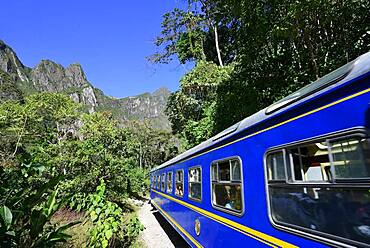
x=252, y=53
x=55, y=159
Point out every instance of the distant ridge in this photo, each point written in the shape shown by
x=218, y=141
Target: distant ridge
x=18, y=81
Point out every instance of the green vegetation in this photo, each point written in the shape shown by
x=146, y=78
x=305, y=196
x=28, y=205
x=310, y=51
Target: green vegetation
x=56, y=160
x=8, y=88
x=249, y=54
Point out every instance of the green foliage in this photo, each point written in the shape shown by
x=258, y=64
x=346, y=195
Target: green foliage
x=152, y=147
x=44, y=235
x=191, y=34
x=6, y=234
x=181, y=35
x=133, y=229
x=8, y=88
x=53, y=154
x=31, y=131
x=270, y=49
x=6, y=217
x=191, y=110
x=284, y=45
x=28, y=224
x=109, y=226
x=107, y=219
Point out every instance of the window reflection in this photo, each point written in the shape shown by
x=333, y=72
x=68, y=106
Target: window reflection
x=169, y=182
x=326, y=187
x=340, y=212
x=162, y=181
x=195, y=183
x=224, y=169
x=351, y=158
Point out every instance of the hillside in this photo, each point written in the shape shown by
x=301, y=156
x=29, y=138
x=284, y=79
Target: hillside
x=18, y=81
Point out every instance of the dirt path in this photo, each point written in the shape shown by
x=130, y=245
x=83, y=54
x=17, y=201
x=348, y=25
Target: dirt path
x=158, y=232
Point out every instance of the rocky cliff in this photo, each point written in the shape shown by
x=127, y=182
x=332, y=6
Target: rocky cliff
x=49, y=76
x=17, y=81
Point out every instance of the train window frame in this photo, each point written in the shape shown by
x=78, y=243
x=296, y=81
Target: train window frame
x=223, y=208
x=183, y=183
x=163, y=182
x=169, y=178
x=158, y=182
x=201, y=183
x=357, y=183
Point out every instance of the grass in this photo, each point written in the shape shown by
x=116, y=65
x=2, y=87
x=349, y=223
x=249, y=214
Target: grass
x=79, y=232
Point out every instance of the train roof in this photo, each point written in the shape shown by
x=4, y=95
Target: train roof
x=351, y=70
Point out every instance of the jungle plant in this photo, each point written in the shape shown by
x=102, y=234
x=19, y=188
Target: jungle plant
x=109, y=225
x=28, y=225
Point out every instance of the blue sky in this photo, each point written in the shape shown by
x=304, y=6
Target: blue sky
x=110, y=39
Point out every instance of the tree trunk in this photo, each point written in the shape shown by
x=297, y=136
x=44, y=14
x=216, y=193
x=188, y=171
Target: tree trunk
x=140, y=157
x=217, y=46
x=214, y=26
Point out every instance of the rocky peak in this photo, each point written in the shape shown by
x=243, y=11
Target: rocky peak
x=76, y=75
x=163, y=91
x=47, y=76
x=52, y=77
x=10, y=63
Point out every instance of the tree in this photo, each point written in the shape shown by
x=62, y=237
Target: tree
x=284, y=45
x=274, y=48
x=181, y=36
x=191, y=109
x=152, y=147
x=201, y=32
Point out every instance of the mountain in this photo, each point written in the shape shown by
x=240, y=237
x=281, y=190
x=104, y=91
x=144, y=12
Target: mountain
x=18, y=81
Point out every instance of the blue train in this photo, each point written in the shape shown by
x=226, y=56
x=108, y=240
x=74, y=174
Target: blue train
x=296, y=174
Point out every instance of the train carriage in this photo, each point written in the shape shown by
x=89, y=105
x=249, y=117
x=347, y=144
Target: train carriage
x=296, y=174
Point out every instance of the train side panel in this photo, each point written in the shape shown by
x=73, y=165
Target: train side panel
x=253, y=228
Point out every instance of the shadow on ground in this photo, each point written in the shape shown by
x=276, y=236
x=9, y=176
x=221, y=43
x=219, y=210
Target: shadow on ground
x=173, y=235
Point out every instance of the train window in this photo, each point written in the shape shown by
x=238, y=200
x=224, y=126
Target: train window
x=158, y=182
x=310, y=162
x=195, y=183
x=235, y=168
x=351, y=158
x=163, y=182
x=152, y=182
x=326, y=189
x=227, y=185
x=169, y=182
x=224, y=169
x=179, y=179
x=276, y=166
